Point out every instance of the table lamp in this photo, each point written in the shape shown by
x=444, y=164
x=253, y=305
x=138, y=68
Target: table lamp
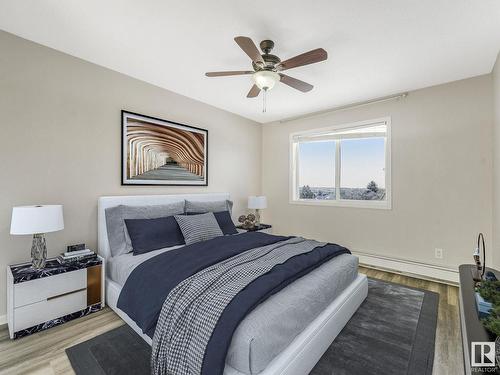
x=257, y=203
x=37, y=220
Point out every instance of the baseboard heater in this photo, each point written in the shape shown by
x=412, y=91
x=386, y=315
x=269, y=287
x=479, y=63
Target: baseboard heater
x=411, y=268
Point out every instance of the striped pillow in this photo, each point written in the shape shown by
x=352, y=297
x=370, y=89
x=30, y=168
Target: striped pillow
x=197, y=228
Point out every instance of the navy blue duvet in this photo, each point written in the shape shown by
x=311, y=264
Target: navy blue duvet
x=149, y=284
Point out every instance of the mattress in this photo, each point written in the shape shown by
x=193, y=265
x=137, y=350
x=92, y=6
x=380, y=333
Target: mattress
x=273, y=325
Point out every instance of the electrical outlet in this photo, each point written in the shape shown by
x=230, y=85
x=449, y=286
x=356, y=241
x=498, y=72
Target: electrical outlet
x=438, y=253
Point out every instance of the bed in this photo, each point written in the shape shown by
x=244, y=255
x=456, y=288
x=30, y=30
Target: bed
x=332, y=293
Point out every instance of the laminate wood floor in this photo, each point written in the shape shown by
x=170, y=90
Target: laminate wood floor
x=43, y=353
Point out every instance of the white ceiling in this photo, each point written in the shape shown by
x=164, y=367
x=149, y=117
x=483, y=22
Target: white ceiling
x=375, y=48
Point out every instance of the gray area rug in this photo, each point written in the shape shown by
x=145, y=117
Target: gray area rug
x=392, y=332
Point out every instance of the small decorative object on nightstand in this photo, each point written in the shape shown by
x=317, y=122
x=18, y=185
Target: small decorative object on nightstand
x=478, y=272
x=37, y=220
x=247, y=221
x=257, y=203
x=38, y=299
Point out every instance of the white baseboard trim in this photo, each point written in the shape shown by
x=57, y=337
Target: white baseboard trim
x=3, y=320
x=409, y=268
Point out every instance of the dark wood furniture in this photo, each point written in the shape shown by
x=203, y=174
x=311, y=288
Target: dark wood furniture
x=472, y=328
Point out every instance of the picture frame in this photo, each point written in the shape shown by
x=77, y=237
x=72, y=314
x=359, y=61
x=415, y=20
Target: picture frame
x=158, y=152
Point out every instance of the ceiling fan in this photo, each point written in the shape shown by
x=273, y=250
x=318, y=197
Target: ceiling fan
x=267, y=68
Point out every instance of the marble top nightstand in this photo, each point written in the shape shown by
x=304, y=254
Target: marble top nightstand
x=266, y=228
x=24, y=272
x=44, y=298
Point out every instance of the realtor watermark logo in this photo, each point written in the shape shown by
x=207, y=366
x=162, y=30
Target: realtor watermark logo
x=483, y=355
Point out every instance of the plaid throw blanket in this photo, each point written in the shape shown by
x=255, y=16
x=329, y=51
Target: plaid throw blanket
x=192, y=309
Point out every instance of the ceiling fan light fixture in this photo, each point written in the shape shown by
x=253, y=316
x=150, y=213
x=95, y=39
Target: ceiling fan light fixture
x=266, y=67
x=266, y=79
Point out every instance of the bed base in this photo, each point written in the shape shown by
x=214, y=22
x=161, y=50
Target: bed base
x=307, y=348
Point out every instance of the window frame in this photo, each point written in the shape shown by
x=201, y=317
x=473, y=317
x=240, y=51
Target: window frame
x=338, y=202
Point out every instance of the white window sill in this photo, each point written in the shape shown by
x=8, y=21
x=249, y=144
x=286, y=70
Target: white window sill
x=379, y=205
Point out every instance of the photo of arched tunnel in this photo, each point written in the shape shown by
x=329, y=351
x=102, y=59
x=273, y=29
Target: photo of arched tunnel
x=160, y=152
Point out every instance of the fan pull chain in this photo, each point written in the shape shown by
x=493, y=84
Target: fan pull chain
x=264, y=101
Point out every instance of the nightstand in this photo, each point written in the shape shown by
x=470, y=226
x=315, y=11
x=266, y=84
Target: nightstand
x=45, y=298
x=266, y=228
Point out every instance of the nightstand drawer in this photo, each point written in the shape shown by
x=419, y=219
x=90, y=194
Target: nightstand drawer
x=37, y=290
x=40, y=312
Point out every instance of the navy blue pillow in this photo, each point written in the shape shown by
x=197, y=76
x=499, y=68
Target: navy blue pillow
x=153, y=234
x=224, y=220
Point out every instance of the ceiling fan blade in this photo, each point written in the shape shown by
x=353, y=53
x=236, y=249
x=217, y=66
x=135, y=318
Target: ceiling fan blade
x=254, y=92
x=311, y=57
x=249, y=47
x=296, y=83
x=229, y=73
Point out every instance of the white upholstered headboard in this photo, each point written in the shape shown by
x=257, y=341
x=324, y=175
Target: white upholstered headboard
x=141, y=200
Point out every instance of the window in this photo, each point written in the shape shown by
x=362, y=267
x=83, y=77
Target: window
x=316, y=170
x=347, y=165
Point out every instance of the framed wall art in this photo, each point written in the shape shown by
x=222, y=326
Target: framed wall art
x=162, y=152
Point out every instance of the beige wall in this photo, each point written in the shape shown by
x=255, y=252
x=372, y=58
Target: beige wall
x=496, y=163
x=60, y=142
x=441, y=177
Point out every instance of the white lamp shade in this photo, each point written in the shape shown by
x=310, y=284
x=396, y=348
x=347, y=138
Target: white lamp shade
x=257, y=202
x=36, y=219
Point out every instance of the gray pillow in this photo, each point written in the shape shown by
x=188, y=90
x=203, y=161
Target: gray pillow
x=212, y=206
x=119, y=240
x=197, y=228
